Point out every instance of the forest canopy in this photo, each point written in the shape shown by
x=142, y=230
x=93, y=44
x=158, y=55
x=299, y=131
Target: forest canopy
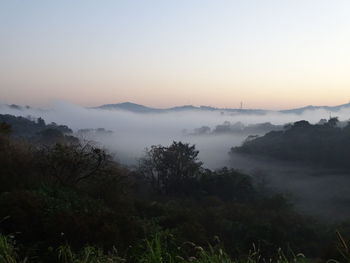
x=325, y=144
x=64, y=199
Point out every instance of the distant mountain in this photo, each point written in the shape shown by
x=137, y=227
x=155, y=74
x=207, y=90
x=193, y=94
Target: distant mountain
x=18, y=107
x=137, y=108
x=128, y=106
x=182, y=108
x=133, y=107
x=310, y=107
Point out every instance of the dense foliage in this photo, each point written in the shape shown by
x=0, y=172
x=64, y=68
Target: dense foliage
x=324, y=144
x=68, y=202
x=35, y=130
x=237, y=128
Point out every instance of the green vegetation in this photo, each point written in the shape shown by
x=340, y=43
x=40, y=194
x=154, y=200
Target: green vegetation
x=237, y=128
x=35, y=130
x=324, y=144
x=155, y=251
x=68, y=202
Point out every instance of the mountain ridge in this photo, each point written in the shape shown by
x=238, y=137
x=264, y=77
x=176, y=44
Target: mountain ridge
x=139, y=108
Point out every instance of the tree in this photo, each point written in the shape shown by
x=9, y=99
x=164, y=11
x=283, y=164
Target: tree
x=5, y=128
x=332, y=122
x=41, y=122
x=70, y=164
x=301, y=124
x=228, y=184
x=171, y=169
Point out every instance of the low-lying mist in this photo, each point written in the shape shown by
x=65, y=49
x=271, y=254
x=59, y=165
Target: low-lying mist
x=130, y=133
x=318, y=192
x=133, y=132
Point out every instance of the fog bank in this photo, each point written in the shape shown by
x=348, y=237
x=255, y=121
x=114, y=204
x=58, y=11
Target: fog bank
x=133, y=132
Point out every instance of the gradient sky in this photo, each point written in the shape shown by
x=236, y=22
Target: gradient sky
x=269, y=54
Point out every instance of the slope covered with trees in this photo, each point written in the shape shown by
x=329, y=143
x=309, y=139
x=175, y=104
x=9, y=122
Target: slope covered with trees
x=324, y=144
x=68, y=202
x=35, y=130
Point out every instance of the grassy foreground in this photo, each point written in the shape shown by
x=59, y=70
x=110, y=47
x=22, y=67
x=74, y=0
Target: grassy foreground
x=160, y=249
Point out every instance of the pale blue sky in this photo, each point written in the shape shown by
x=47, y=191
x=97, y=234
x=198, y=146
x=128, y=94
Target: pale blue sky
x=270, y=54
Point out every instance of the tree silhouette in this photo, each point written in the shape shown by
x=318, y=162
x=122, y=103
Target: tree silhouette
x=171, y=169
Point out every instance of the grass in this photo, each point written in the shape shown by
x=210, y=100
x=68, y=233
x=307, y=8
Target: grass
x=87, y=255
x=8, y=252
x=160, y=249
x=343, y=249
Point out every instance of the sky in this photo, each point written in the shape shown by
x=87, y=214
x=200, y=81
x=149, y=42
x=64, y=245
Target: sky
x=272, y=54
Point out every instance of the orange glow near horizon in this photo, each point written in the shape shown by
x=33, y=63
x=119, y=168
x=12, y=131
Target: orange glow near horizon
x=270, y=56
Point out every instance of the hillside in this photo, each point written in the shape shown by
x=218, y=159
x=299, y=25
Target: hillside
x=324, y=145
x=74, y=200
x=36, y=130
